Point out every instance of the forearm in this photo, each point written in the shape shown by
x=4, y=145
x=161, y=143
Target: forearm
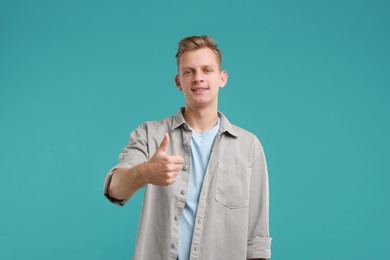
x=126, y=181
x=161, y=169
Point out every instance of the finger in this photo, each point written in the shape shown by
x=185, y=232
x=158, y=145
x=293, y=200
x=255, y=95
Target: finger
x=164, y=143
x=176, y=159
x=178, y=168
x=173, y=168
x=171, y=175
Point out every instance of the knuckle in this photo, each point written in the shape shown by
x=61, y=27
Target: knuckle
x=171, y=167
x=166, y=168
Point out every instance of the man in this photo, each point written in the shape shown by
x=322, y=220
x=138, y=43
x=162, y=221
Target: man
x=206, y=180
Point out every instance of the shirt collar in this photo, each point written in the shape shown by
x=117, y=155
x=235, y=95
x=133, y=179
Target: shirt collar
x=226, y=126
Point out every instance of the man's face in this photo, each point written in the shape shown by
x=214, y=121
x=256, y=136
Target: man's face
x=200, y=78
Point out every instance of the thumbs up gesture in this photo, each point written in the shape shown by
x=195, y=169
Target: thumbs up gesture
x=163, y=169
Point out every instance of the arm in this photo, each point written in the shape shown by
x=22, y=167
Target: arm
x=259, y=241
x=161, y=169
x=125, y=182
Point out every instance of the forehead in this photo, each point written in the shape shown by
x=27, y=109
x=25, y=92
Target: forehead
x=201, y=57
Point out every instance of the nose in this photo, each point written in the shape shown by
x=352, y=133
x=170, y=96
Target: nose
x=198, y=77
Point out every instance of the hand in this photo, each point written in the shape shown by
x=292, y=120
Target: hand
x=162, y=168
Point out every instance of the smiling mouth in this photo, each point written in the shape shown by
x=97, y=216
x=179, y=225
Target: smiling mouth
x=199, y=89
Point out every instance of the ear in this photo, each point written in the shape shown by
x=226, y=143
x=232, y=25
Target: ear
x=224, y=79
x=177, y=82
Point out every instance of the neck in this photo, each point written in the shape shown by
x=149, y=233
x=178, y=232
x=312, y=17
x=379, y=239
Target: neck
x=201, y=119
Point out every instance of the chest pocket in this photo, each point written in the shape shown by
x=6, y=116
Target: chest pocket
x=233, y=183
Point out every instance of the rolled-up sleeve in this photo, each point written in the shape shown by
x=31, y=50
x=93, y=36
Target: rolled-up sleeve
x=134, y=153
x=259, y=240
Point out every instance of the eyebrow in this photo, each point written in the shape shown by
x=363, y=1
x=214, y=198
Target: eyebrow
x=203, y=66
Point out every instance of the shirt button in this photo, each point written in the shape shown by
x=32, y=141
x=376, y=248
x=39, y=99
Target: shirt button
x=182, y=192
x=185, y=167
x=173, y=245
x=195, y=249
x=199, y=221
x=176, y=218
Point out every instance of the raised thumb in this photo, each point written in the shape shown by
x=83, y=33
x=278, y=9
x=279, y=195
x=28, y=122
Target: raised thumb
x=164, y=143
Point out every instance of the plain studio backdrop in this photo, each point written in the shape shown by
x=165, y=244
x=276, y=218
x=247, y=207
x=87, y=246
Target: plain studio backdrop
x=309, y=78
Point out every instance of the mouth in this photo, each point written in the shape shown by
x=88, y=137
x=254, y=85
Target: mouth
x=199, y=89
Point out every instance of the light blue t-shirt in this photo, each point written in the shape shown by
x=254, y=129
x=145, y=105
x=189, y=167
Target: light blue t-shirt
x=200, y=147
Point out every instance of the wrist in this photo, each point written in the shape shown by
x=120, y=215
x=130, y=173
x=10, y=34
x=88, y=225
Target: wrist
x=139, y=177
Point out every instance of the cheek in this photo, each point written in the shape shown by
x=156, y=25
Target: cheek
x=216, y=82
x=185, y=82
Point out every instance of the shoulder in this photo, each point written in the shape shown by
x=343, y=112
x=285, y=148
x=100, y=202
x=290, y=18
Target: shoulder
x=240, y=134
x=243, y=132
x=247, y=137
x=154, y=130
x=157, y=124
x=168, y=124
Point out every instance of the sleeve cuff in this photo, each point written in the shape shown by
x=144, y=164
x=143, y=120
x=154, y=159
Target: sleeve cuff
x=259, y=247
x=107, y=182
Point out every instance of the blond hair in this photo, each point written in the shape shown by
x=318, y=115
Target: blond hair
x=194, y=43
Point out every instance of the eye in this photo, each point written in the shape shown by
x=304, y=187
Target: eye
x=186, y=72
x=208, y=70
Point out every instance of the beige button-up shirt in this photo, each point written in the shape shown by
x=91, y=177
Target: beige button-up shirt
x=232, y=217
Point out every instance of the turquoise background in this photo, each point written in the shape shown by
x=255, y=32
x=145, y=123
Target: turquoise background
x=309, y=78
